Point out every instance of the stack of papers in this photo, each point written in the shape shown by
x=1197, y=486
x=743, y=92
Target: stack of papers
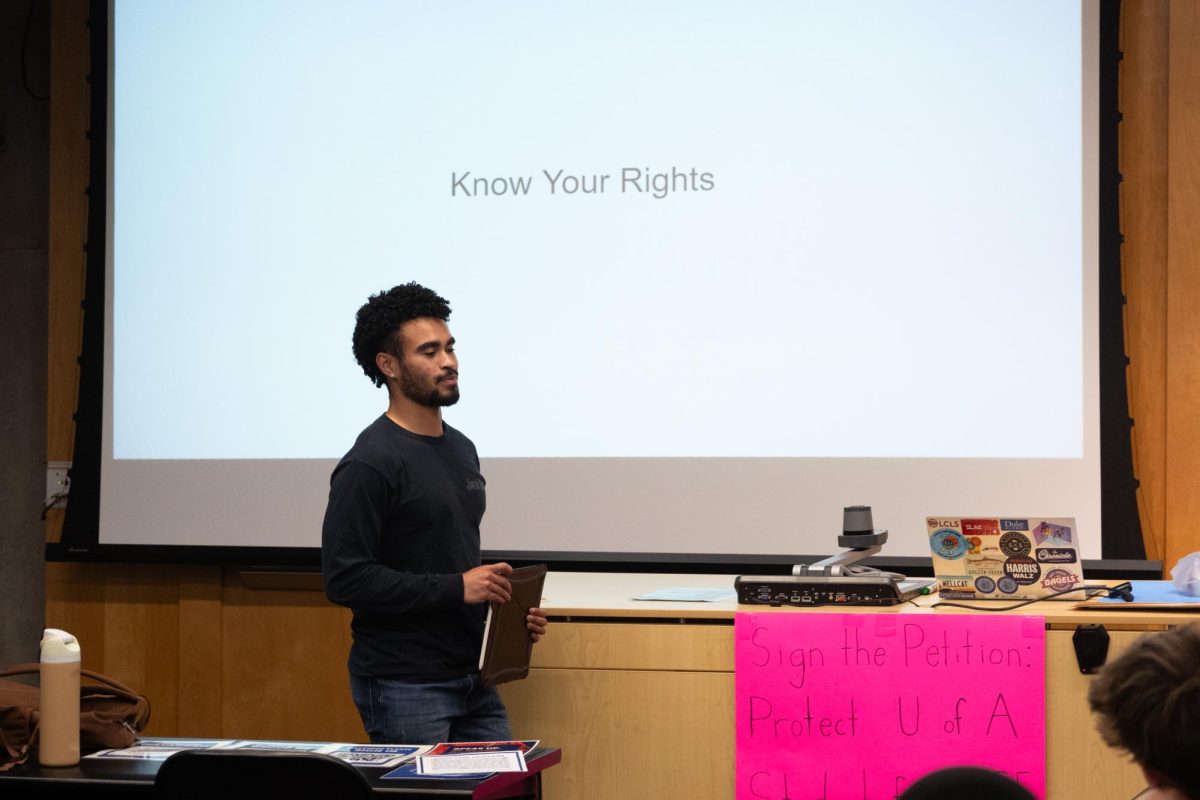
x=360, y=755
x=456, y=760
x=459, y=760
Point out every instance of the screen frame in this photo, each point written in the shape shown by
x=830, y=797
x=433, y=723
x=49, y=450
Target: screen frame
x=1121, y=538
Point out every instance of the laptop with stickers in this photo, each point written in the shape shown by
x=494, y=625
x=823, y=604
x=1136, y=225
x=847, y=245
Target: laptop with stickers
x=1002, y=558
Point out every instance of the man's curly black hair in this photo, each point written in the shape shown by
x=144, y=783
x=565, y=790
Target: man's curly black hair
x=377, y=324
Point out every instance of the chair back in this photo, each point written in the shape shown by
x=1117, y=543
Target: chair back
x=210, y=774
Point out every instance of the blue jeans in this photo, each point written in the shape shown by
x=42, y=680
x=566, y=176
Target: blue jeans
x=457, y=710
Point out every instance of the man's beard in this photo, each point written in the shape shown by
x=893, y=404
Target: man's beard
x=433, y=398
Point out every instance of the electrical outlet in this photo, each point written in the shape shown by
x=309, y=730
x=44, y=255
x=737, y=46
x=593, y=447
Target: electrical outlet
x=58, y=483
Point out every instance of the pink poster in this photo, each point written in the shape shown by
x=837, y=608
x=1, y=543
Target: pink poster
x=859, y=706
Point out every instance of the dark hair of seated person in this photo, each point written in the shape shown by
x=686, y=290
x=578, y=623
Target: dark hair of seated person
x=966, y=783
x=1147, y=702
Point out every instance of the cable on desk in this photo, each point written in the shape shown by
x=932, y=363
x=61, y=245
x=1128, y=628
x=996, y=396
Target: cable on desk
x=1122, y=590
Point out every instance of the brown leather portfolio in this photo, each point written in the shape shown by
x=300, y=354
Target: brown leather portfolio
x=507, y=645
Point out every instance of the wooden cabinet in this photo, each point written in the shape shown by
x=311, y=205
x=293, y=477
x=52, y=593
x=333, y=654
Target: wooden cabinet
x=639, y=696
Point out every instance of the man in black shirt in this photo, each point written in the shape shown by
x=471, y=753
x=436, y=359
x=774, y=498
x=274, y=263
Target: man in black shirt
x=400, y=542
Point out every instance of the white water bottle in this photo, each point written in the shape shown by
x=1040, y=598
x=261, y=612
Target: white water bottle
x=58, y=730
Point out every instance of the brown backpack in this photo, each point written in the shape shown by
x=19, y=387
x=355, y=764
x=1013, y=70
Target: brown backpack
x=110, y=714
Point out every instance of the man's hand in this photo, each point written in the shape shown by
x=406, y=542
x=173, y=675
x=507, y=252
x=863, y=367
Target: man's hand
x=535, y=621
x=486, y=584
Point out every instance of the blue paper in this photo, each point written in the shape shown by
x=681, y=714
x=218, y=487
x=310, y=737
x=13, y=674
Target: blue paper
x=1156, y=592
x=689, y=595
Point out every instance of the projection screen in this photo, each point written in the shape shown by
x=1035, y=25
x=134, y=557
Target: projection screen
x=717, y=269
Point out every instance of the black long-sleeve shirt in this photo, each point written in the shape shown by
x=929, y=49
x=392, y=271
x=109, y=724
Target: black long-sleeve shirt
x=401, y=527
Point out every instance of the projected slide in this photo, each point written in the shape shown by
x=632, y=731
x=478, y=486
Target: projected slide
x=699, y=231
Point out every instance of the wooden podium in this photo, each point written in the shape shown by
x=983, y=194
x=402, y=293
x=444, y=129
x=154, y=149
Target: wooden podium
x=641, y=694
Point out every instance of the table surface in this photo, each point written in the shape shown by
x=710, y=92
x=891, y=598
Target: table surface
x=134, y=775
x=596, y=594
